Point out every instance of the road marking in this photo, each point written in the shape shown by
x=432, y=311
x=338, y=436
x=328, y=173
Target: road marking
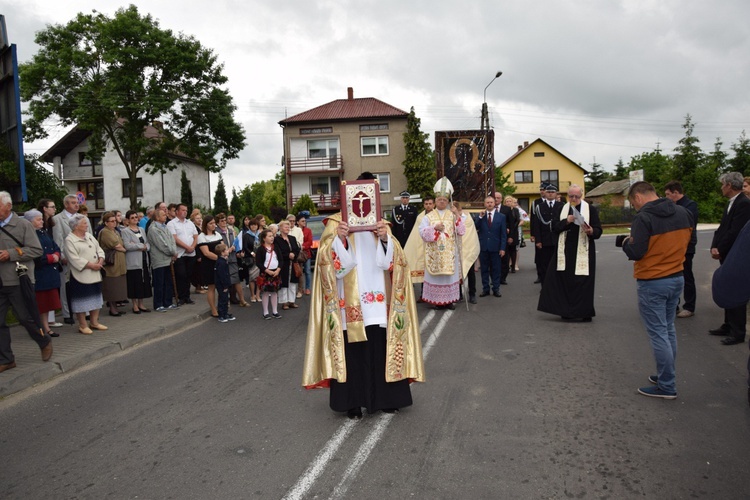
x=316, y=467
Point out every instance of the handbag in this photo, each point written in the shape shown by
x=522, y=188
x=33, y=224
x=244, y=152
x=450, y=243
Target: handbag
x=109, y=257
x=302, y=257
x=297, y=269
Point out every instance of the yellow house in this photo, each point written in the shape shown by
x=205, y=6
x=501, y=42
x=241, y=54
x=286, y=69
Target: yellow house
x=537, y=163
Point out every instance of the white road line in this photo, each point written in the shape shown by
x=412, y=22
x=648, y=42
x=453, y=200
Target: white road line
x=380, y=427
x=308, y=478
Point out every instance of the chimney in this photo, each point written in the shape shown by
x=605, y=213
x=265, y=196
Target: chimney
x=350, y=93
x=526, y=144
x=520, y=147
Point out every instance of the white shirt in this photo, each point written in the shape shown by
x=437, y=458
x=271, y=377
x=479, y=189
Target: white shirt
x=185, y=232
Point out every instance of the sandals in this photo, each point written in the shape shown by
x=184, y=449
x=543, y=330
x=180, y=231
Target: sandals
x=53, y=334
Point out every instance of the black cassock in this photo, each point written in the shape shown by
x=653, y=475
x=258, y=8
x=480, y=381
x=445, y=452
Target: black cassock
x=564, y=293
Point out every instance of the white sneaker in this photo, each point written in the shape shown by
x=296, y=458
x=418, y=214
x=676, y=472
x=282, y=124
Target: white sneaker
x=685, y=314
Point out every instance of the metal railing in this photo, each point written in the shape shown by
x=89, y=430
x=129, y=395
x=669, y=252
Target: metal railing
x=328, y=163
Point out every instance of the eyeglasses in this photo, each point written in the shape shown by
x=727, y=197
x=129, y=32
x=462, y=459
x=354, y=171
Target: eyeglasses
x=133, y=217
x=111, y=220
x=576, y=196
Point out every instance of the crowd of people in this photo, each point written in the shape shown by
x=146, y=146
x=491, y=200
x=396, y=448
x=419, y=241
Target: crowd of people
x=151, y=262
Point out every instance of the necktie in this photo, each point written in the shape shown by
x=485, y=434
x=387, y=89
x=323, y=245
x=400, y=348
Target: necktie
x=489, y=218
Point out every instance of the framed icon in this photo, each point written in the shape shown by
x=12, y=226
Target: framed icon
x=361, y=204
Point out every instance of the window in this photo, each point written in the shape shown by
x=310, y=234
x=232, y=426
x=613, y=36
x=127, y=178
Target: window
x=524, y=176
x=323, y=148
x=549, y=176
x=539, y=154
x=83, y=161
x=375, y=146
x=385, y=182
x=323, y=185
x=138, y=188
x=94, y=192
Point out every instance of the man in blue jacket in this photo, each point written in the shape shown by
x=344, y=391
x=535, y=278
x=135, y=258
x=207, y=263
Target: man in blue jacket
x=491, y=229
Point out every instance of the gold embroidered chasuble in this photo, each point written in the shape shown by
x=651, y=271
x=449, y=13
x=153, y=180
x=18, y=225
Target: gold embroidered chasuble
x=440, y=254
x=324, y=349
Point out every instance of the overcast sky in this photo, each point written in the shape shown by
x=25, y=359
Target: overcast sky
x=594, y=78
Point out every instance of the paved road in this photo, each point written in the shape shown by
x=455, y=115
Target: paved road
x=517, y=405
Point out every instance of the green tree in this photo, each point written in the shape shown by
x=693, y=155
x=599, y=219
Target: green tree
x=221, y=204
x=305, y=203
x=186, y=192
x=621, y=171
x=235, y=206
x=40, y=182
x=142, y=91
x=503, y=183
x=688, y=155
x=419, y=165
x=740, y=162
x=703, y=184
x=656, y=167
x=596, y=176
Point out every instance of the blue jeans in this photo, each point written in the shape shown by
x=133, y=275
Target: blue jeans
x=308, y=274
x=657, y=303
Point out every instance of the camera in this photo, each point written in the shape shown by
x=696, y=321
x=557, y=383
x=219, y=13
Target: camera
x=620, y=239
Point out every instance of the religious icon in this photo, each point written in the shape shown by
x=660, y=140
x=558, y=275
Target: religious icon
x=361, y=207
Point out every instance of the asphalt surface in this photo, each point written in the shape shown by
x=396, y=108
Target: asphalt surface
x=517, y=405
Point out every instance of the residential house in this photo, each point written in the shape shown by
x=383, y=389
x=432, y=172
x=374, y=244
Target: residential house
x=538, y=162
x=105, y=184
x=612, y=193
x=340, y=140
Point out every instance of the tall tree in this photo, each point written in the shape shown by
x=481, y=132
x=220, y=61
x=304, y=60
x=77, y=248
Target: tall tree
x=221, y=204
x=142, y=91
x=419, y=165
x=656, y=167
x=688, y=155
x=186, y=192
x=40, y=182
x=235, y=206
x=740, y=162
x=596, y=176
x=621, y=171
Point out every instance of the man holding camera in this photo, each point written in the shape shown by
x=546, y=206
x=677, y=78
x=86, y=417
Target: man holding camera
x=658, y=240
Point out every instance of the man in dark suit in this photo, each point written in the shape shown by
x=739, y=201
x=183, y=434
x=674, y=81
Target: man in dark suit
x=734, y=219
x=673, y=191
x=541, y=231
x=404, y=217
x=493, y=236
x=533, y=221
x=510, y=221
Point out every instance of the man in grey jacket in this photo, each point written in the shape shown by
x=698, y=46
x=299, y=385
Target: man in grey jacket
x=163, y=252
x=18, y=244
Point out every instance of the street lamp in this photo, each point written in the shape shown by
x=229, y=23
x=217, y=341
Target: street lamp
x=485, y=117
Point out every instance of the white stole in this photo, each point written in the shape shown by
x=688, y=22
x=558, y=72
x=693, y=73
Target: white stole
x=582, y=251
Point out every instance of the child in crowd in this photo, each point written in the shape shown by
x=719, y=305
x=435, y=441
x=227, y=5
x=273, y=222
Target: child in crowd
x=223, y=282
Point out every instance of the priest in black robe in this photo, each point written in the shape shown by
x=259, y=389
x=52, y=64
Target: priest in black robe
x=568, y=289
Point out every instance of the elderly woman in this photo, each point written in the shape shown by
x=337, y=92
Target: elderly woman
x=85, y=260
x=115, y=284
x=288, y=248
x=46, y=272
x=163, y=252
x=137, y=262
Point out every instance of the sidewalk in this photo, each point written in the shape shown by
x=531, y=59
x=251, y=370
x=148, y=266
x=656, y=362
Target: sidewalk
x=73, y=350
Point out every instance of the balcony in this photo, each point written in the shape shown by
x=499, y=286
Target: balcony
x=306, y=165
x=324, y=202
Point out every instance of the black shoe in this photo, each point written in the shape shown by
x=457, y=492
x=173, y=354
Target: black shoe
x=497, y=294
x=390, y=410
x=118, y=313
x=537, y=281
x=354, y=413
x=719, y=332
x=484, y=294
x=503, y=282
x=732, y=341
x=69, y=321
x=472, y=299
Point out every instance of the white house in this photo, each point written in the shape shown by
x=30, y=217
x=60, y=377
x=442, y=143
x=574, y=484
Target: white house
x=106, y=185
